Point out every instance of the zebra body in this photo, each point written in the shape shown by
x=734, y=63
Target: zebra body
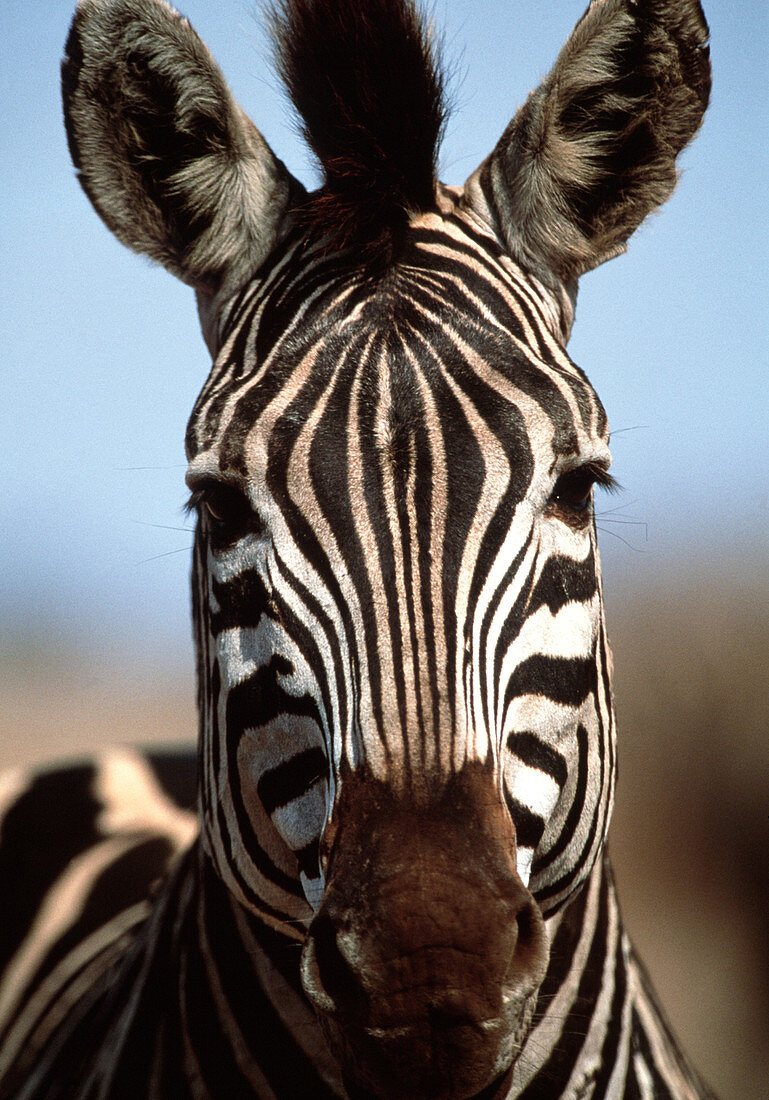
x=397, y=884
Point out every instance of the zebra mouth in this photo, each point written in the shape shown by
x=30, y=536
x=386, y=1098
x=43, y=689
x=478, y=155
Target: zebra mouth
x=497, y=1090
x=443, y=1034
x=444, y=1053
x=424, y=959
x=433, y=1058
x=437, y=1057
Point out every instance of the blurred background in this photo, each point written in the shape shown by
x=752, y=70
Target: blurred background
x=103, y=360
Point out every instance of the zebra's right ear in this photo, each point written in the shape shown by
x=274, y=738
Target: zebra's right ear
x=170, y=162
x=593, y=149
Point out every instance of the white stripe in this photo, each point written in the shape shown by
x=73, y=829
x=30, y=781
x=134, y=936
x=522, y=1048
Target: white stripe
x=12, y=784
x=542, y=1039
x=134, y=801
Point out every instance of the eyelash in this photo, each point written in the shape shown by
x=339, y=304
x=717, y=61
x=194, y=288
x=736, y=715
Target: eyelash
x=225, y=511
x=229, y=516
x=572, y=493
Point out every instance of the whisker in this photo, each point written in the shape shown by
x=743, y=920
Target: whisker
x=633, y=428
x=629, y=545
x=167, y=554
x=628, y=523
x=618, y=507
x=163, y=526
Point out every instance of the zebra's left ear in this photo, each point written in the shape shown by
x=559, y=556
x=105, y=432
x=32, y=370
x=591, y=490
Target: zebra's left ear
x=593, y=149
x=170, y=162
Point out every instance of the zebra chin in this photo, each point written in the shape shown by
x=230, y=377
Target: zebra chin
x=425, y=957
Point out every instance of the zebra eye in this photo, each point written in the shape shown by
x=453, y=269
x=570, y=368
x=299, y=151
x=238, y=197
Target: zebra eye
x=573, y=491
x=225, y=511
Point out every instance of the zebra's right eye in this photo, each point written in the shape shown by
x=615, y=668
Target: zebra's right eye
x=225, y=511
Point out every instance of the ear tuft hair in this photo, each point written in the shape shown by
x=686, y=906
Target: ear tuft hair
x=368, y=89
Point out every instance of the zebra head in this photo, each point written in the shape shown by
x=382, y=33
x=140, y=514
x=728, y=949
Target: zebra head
x=407, y=738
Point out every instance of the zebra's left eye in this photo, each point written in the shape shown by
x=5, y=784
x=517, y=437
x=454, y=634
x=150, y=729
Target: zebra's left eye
x=572, y=493
x=573, y=490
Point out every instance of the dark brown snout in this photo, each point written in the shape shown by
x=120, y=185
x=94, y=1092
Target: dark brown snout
x=424, y=959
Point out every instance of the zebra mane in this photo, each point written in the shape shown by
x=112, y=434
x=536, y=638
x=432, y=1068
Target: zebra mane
x=367, y=85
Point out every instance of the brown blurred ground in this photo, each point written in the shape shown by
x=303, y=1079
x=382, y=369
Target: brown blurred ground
x=691, y=831
x=690, y=838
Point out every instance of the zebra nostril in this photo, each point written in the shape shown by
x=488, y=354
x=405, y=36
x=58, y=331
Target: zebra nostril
x=525, y=923
x=327, y=976
x=530, y=953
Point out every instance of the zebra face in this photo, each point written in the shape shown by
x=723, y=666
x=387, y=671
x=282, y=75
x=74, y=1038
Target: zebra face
x=407, y=742
x=405, y=678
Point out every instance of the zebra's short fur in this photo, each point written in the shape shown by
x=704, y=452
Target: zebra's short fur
x=396, y=884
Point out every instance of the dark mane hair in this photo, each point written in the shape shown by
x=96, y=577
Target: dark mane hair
x=368, y=88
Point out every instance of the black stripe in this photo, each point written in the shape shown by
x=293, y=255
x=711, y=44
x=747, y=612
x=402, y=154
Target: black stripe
x=278, y=1055
x=292, y=778
x=125, y=882
x=545, y=859
x=242, y=602
x=639, y=1044
x=261, y=698
x=576, y=1026
x=536, y=753
x=529, y=826
x=308, y=858
x=251, y=704
x=50, y=823
x=611, y=1042
x=211, y=1040
x=563, y=580
x=564, y=680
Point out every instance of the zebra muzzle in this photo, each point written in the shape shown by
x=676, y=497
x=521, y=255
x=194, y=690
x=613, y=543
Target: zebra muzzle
x=425, y=957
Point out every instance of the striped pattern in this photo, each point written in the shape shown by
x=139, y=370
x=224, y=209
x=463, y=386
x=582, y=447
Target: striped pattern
x=599, y=1030
x=82, y=848
x=401, y=605
x=395, y=883
x=490, y=644
x=179, y=1015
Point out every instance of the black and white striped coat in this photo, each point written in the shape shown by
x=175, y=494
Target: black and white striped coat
x=396, y=883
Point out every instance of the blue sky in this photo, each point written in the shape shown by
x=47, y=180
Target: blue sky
x=103, y=360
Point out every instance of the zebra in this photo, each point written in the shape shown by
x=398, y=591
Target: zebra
x=385, y=873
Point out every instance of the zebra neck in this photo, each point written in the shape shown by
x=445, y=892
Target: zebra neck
x=219, y=1009
x=598, y=1029
x=578, y=1023
x=205, y=1001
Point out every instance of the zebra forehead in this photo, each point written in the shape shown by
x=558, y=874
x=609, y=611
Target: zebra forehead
x=453, y=316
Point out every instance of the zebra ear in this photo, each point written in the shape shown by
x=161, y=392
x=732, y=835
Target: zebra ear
x=593, y=149
x=166, y=156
